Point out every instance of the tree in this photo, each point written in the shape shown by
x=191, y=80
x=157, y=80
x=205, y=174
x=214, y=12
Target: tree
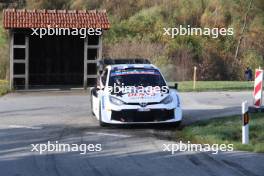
x=243, y=29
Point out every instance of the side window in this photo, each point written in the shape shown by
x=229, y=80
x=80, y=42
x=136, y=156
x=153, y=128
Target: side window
x=104, y=77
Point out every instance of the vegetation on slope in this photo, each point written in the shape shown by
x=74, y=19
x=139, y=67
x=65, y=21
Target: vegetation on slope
x=137, y=31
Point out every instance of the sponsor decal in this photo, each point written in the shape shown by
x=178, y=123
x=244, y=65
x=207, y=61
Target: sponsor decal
x=134, y=71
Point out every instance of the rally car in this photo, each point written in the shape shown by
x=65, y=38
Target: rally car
x=133, y=91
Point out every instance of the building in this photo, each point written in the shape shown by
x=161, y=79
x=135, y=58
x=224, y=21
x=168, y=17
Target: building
x=53, y=60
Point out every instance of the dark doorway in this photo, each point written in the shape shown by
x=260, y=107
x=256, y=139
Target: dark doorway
x=56, y=61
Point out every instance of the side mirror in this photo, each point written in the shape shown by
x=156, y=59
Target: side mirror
x=94, y=92
x=176, y=86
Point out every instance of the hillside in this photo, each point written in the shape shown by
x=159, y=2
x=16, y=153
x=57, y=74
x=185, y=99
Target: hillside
x=137, y=31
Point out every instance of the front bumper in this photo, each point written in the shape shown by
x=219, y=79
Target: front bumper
x=133, y=115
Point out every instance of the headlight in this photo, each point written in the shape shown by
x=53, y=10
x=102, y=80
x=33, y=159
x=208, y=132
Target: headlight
x=116, y=101
x=167, y=100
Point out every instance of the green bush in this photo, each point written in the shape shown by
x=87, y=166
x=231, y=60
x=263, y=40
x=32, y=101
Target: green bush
x=4, y=51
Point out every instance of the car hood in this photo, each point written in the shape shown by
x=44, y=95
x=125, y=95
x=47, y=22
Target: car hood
x=141, y=97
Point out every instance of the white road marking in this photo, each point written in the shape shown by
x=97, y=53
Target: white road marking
x=108, y=134
x=27, y=127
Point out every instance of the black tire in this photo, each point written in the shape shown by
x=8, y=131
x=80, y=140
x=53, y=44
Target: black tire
x=91, y=101
x=177, y=124
x=102, y=124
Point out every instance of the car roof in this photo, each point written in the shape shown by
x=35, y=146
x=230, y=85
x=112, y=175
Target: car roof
x=125, y=66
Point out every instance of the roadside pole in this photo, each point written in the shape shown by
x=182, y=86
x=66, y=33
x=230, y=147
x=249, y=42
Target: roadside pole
x=245, y=121
x=258, y=88
x=194, y=77
x=257, y=93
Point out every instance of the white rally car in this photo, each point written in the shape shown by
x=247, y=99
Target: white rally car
x=134, y=93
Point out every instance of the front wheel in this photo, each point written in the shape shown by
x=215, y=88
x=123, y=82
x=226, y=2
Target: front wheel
x=177, y=124
x=91, y=106
x=102, y=124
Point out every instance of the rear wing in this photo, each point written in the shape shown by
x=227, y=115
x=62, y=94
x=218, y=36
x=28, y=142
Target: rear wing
x=109, y=61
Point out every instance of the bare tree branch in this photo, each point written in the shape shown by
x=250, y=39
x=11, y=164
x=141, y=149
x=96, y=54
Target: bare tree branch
x=243, y=29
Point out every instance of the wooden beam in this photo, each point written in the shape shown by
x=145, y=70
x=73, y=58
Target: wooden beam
x=100, y=53
x=20, y=76
x=11, y=57
x=93, y=46
x=100, y=47
x=19, y=61
x=19, y=46
x=27, y=62
x=91, y=61
x=85, y=63
x=91, y=76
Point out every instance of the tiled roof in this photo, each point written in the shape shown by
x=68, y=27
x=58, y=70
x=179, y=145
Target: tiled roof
x=14, y=18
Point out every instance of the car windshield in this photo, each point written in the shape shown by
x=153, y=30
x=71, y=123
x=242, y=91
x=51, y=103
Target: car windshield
x=136, y=77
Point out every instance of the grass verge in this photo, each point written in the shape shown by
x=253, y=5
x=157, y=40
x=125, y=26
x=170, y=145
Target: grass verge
x=187, y=86
x=4, y=87
x=226, y=130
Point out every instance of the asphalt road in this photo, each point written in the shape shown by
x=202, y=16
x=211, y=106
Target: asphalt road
x=36, y=118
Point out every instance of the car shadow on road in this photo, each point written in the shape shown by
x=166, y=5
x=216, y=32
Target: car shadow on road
x=194, y=115
x=190, y=116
